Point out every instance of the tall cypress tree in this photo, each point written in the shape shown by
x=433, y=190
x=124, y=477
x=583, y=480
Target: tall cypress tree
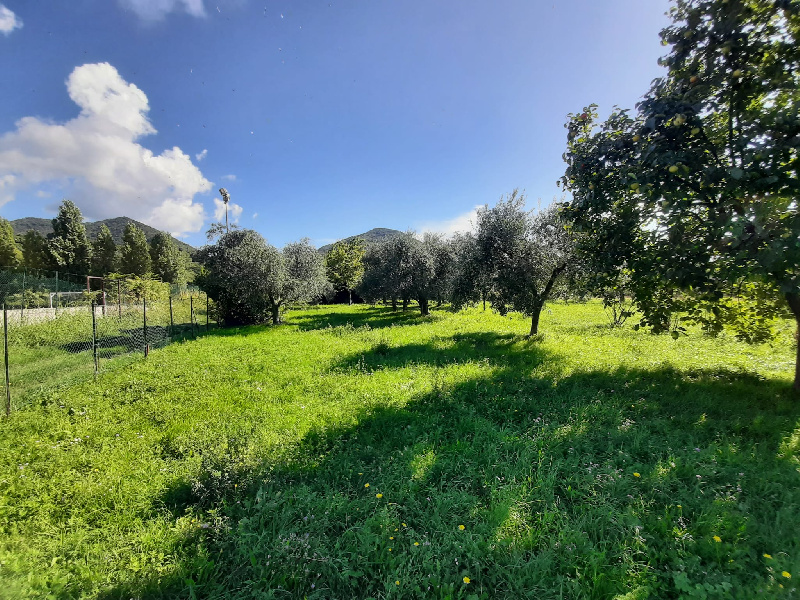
x=69, y=247
x=34, y=251
x=104, y=256
x=135, y=253
x=10, y=256
x=168, y=262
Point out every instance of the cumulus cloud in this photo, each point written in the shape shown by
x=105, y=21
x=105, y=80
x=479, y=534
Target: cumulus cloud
x=8, y=20
x=154, y=10
x=96, y=161
x=234, y=211
x=462, y=223
x=201, y=155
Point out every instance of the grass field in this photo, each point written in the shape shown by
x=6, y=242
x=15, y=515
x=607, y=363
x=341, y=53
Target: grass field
x=360, y=453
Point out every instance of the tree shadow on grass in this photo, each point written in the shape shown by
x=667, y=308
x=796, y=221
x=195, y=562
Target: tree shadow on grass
x=375, y=317
x=598, y=484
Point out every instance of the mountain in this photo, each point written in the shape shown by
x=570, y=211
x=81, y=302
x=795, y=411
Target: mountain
x=116, y=226
x=373, y=236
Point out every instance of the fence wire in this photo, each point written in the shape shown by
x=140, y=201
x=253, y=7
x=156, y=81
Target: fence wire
x=60, y=330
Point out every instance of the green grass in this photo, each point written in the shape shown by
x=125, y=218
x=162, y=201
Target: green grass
x=586, y=463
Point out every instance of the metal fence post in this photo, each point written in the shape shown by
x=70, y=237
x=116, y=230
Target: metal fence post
x=171, y=321
x=22, y=304
x=191, y=314
x=58, y=297
x=94, y=340
x=5, y=350
x=144, y=306
x=206, y=313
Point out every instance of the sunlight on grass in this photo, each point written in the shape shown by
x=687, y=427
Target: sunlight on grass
x=592, y=463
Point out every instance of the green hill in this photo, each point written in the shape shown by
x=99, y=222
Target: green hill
x=373, y=236
x=116, y=226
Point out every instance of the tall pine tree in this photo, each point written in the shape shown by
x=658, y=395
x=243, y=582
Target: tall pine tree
x=69, y=246
x=169, y=263
x=104, y=256
x=135, y=253
x=34, y=251
x=10, y=256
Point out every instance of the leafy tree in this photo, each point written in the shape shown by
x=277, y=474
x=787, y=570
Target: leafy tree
x=695, y=194
x=68, y=246
x=405, y=267
x=251, y=281
x=168, y=262
x=344, y=265
x=104, y=253
x=10, y=255
x=523, y=255
x=135, y=253
x=34, y=251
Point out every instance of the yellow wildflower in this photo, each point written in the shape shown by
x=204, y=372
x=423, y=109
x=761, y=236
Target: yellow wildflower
x=717, y=539
x=379, y=495
x=391, y=537
x=397, y=582
x=390, y=549
x=404, y=525
x=416, y=543
x=786, y=574
x=767, y=555
x=461, y=527
x=466, y=579
x=636, y=475
x=366, y=485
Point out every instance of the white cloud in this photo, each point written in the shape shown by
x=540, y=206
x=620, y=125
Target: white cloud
x=96, y=161
x=462, y=223
x=154, y=10
x=229, y=177
x=234, y=210
x=255, y=215
x=201, y=155
x=8, y=20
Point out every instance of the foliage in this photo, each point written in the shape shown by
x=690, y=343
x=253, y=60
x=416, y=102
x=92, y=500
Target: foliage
x=134, y=254
x=104, y=253
x=521, y=255
x=405, y=267
x=168, y=262
x=69, y=247
x=344, y=264
x=35, y=254
x=251, y=281
x=696, y=194
x=236, y=466
x=10, y=255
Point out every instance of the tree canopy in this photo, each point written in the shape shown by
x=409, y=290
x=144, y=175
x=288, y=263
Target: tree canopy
x=344, y=265
x=696, y=191
x=69, y=247
x=135, y=253
x=10, y=255
x=104, y=253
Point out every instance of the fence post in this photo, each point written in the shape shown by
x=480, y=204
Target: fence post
x=119, y=301
x=171, y=321
x=206, y=313
x=94, y=340
x=22, y=304
x=5, y=351
x=58, y=296
x=144, y=306
x=191, y=314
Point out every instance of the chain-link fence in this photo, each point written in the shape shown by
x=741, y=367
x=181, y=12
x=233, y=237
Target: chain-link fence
x=59, y=329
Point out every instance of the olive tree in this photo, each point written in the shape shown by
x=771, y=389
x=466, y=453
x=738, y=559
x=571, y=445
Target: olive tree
x=694, y=194
x=252, y=281
x=520, y=255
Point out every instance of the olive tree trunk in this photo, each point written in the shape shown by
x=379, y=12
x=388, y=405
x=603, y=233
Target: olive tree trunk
x=276, y=313
x=793, y=299
x=423, y=306
x=536, y=311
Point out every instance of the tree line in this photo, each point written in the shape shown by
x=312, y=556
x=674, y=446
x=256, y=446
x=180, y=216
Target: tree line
x=68, y=249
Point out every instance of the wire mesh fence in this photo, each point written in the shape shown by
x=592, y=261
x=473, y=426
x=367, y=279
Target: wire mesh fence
x=60, y=329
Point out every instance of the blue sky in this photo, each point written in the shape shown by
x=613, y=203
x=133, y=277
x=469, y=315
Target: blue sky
x=322, y=119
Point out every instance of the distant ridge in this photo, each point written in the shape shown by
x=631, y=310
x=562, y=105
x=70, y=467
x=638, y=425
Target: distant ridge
x=116, y=226
x=373, y=236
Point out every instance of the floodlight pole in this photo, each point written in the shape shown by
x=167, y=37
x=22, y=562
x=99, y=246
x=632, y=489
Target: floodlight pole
x=226, y=197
